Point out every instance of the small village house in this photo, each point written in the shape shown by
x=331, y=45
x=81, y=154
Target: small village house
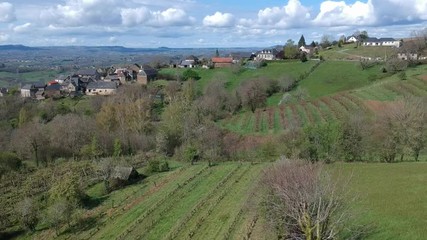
x=89, y=73
x=26, y=91
x=53, y=91
x=222, y=62
x=307, y=49
x=60, y=79
x=101, y=88
x=3, y=92
x=189, y=62
x=351, y=39
x=113, y=78
x=385, y=42
x=122, y=176
x=146, y=74
x=269, y=55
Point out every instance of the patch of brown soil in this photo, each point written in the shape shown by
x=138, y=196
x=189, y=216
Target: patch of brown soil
x=379, y=106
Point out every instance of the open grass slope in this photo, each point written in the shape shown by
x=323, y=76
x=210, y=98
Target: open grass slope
x=349, y=92
x=221, y=202
x=350, y=52
x=233, y=79
x=391, y=198
x=27, y=77
x=335, y=76
x=191, y=201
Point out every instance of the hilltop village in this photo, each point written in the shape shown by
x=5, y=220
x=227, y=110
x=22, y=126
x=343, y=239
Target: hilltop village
x=106, y=81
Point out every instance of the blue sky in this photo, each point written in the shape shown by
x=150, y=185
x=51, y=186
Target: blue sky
x=202, y=23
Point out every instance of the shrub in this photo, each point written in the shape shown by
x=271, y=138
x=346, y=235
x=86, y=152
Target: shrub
x=190, y=74
x=164, y=166
x=157, y=166
x=9, y=162
x=153, y=166
x=28, y=214
x=402, y=75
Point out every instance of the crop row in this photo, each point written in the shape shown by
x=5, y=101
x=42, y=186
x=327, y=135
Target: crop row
x=122, y=205
x=213, y=205
x=159, y=203
x=174, y=232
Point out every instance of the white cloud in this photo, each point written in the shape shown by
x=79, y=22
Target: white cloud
x=219, y=20
x=4, y=37
x=294, y=14
x=82, y=12
x=7, y=12
x=389, y=12
x=168, y=17
x=22, y=28
x=112, y=40
x=340, y=14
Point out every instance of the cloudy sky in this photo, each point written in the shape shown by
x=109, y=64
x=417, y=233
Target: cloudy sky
x=201, y=23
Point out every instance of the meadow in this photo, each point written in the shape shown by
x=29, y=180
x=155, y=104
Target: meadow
x=335, y=90
x=221, y=202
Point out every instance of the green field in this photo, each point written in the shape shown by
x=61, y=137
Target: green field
x=274, y=70
x=27, y=77
x=220, y=202
x=350, y=52
x=391, y=198
x=335, y=76
x=336, y=90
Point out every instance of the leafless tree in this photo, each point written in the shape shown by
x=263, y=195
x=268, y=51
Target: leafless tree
x=253, y=94
x=69, y=133
x=303, y=202
x=172, y=90
x=31, y=139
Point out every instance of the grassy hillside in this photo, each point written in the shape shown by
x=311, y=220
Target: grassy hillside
x=328, y=99
x=220, y=202
x=8, y=79
x=391, y=198
x=274, y=70
x=335, y=76
x=353, y=53
x=198, y=201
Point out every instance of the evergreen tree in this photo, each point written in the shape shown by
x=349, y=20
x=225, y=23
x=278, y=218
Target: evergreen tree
x=301, y=41
x=217, y=53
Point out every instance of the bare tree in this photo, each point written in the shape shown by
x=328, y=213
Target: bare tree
x=28, y=214
x=69, y=133
x=253, y=94
x=31, y=139
x=303, y=202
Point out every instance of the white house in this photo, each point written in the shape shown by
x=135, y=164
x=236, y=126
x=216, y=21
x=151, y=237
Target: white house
x=306, y=49
x=101, y=88
x=386, y=42
x=351, y=39
x=267, y=54
x=407, y=56
x=26, y=91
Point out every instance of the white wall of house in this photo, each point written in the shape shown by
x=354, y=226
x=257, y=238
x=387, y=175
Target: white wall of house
x=352, y=40
x=25, y=93
x=391, y=44
x=104, y=92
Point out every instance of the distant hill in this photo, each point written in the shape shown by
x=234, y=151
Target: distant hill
x=17, y=48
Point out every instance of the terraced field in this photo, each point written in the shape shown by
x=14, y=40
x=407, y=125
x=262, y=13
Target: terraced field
x=327, y=108
x=191, y=202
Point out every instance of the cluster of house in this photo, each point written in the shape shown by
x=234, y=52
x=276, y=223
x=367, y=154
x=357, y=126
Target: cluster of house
x=89, y=82
x=384, y=42
x=233, y=58
x=3, y=91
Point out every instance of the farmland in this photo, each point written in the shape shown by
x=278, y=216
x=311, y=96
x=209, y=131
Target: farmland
x=195, y=201
x=347, y=95
x=220, y=202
